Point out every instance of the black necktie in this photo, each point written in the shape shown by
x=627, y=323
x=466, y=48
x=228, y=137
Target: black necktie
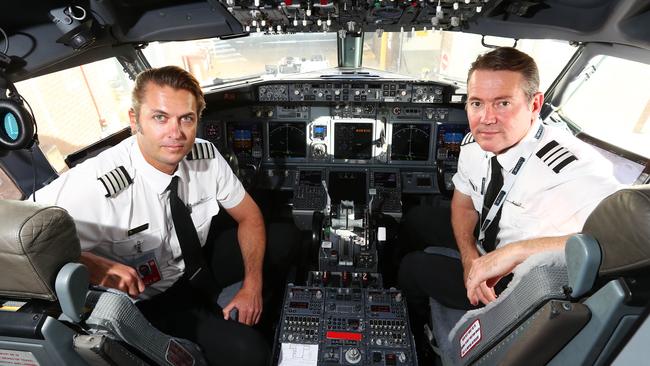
x=493, y=189
x=195, y=267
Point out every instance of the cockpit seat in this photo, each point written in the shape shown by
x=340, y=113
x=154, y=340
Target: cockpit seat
x=47, y=314
x=572, y=307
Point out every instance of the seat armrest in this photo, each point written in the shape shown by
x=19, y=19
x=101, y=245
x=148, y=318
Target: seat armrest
x=71, y=287
x=583, y=258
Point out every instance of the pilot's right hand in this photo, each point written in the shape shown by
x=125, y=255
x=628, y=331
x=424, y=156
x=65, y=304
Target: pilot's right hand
x=108, y=273
x=479, y=291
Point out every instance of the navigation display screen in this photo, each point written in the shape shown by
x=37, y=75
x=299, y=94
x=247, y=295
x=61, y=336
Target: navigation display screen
x=411, y=142
x=287, y=140
x=353, y=141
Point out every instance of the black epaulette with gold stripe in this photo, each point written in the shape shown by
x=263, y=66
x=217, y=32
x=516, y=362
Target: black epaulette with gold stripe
x=202, y=150
x=555, y=156
x=115, y=181
x=468, y=139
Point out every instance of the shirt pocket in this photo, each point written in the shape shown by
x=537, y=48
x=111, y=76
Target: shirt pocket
x=518, y=215
x=475, y=193
x=202, y=212
x=136, y=245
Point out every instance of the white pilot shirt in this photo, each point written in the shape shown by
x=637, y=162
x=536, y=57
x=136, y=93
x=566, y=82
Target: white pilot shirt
x=557, y=188
x=134, y=224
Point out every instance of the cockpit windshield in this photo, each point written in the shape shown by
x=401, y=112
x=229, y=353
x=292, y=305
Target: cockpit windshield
x=425, y=55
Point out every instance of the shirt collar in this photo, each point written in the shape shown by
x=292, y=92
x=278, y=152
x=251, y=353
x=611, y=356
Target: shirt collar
x=509, y=159
x=158, y=180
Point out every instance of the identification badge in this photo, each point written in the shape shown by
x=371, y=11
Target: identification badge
x=147, y=268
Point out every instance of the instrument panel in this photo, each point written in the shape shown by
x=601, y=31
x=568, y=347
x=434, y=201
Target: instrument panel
x=411, y=126
x=330, y=139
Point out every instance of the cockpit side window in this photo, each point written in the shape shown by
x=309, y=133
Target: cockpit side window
x=610, y=101
x=77, y=107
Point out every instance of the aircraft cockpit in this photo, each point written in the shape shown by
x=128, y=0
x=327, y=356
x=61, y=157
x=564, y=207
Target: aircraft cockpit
x=347, y=124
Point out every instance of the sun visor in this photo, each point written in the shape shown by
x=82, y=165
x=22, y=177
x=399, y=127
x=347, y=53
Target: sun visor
x=207, y=19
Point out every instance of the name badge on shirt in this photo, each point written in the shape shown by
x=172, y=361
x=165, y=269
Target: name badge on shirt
x=138, y=229
x=147, y=268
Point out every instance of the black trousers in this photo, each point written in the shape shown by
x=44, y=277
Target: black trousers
x=183, y=312
x=423, y=275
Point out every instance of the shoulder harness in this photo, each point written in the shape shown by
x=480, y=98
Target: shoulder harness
x=555, y=156
x=115, y=181
x=202, y=150
x=468, y=139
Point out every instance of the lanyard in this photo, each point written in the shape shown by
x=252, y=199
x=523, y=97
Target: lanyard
x=509, y=181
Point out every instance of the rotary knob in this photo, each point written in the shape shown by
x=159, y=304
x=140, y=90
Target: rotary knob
x=353, y=355
x=401, y=357
x=319, y=151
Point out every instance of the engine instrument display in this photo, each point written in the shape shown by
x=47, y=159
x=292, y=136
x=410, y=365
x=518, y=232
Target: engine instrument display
x=411, y=141
x=353, y=141
x=287, y=140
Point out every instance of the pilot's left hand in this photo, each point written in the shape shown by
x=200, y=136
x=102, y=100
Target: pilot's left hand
x=248, y=303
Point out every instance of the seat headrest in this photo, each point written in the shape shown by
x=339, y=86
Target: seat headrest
x=621, y=225
x=35, y=242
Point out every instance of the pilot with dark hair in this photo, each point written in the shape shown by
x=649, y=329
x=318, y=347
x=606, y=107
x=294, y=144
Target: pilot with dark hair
x=527, y=186
x=143, y=210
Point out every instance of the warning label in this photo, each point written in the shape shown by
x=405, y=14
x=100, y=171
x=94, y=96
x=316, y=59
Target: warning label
x=470, y=338
x=11, y=357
